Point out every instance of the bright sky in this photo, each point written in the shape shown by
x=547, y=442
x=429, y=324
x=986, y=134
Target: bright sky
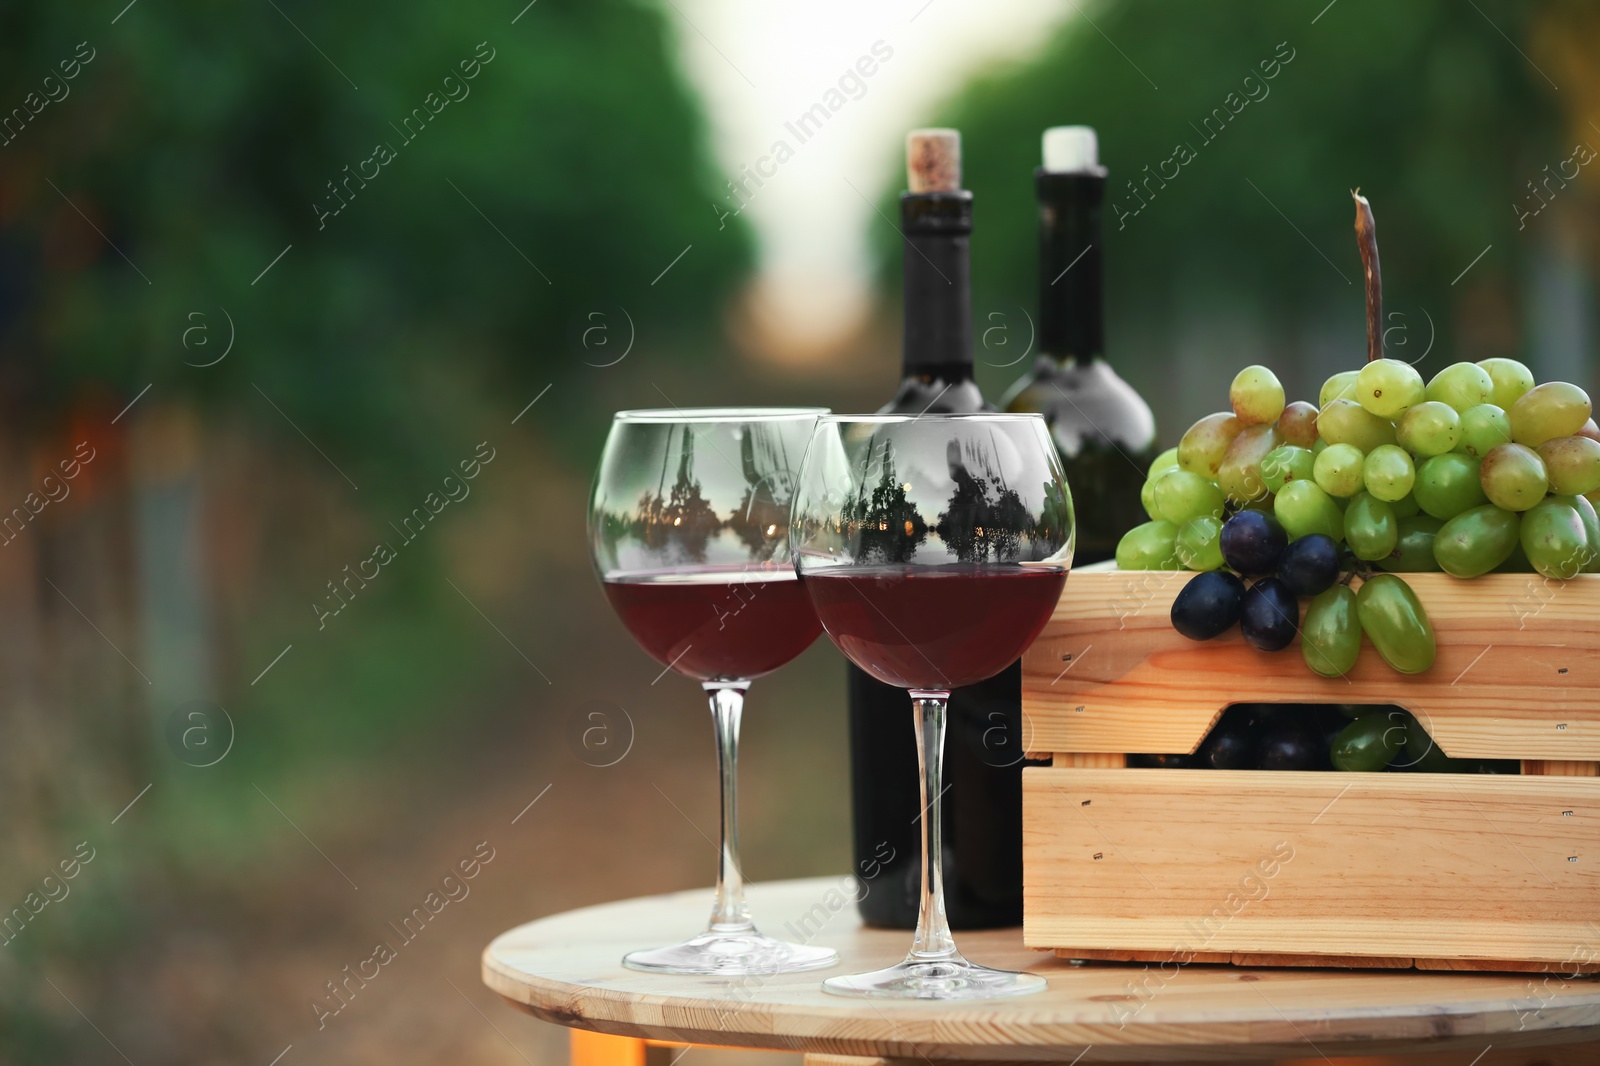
x=760, y=65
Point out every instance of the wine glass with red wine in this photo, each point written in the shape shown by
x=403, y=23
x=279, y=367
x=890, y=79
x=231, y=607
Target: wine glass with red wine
x=689, y=528
x=934, y=549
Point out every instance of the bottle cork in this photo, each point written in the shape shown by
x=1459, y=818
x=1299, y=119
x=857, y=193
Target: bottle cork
x=933, y=160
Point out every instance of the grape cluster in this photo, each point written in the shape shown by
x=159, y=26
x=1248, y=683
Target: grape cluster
x=1478, y=470
x=1362, y=738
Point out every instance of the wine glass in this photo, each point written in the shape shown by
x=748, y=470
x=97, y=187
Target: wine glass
x=689, y=530
x=934, y=549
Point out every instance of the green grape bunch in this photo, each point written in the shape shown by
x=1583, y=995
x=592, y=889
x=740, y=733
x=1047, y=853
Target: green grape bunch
x=1298, y=519
x=1479, y=470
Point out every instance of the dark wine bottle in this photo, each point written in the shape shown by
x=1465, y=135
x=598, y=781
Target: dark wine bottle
x=1102, y=427
x=982, y=801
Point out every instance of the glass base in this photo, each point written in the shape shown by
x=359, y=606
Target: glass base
x=732, y=954
x=951, y=978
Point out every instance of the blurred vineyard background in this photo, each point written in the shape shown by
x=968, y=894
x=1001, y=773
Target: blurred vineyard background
x=140, y=215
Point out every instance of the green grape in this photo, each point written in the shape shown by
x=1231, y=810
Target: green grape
x=1413, y=553
x=1298, y=424
x=1368, y=744
x=1342, y=386
x=1256, y=395
x=1422, y=754
x=1554, y=538
x=1388, y=388
x=1302, y=508
x=1513, y=477
x=1517, y=561
x=1284, y=464
x=1181, y=495
x=1511, y=379
x=1319, y=447
x=1337, y=470
x=1151, y=546
x=1429, y=428
x=1554, y=409
x=1330, y=635
x=1393, y=619
x=1405, y=506
x=1239, y=475
x=1199, y=543
x=1477, y=540
x=1461, y=385
x=1591, y=529
x=1483, y=427
x=1388, y=473
x=1446, y=485
x=1167, y=460
x=1573, y=464
x=1147, y=498
x=1347, y=422
x=1201, y=448
x=1370, y=528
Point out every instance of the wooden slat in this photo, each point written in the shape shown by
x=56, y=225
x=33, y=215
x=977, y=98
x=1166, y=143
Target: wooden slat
x=1346, y=962
x=1101, y=760
x=1551, y=768
x=1492, y=1055
x=1110, y=955
x=1560, y=971
x=1517, y=673
x=1386, y=865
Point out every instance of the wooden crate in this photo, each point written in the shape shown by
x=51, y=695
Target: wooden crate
x=1437, y=871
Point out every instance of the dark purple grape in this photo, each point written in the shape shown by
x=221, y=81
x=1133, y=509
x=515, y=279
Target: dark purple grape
x=1269, y=616
x=1310, y=565
x=1229, y=747
x=1291, y=749
x=1208, y=605
x=1252, y=543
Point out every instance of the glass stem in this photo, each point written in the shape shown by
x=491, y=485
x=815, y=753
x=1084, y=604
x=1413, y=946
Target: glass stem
x=933, y=940
x=731, y=914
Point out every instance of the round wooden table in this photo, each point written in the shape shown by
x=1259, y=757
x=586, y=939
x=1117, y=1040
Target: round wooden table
x=567, y=969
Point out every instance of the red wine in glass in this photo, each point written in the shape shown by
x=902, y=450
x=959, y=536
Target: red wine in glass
x=937, y=627
x=717, y=624
x=689, y=534
x=935, y=549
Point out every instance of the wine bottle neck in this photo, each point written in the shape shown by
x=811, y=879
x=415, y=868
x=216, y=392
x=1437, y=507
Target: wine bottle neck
x=1071, y=286
x=938, y=284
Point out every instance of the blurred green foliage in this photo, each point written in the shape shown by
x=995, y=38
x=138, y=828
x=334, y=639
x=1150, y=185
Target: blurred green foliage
x=454, y=287
x=1425, y=106
x=199, y=138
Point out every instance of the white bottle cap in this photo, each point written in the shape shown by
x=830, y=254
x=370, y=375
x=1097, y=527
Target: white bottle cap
x=1071, y=150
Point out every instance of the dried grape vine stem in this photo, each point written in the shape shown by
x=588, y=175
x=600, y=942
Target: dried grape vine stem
x=1367, y=240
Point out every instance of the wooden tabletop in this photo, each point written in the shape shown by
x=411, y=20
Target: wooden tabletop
x=567, y=969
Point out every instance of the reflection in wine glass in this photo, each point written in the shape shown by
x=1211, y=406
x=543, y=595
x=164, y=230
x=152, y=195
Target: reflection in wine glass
x=689, y=528
x=934, y=549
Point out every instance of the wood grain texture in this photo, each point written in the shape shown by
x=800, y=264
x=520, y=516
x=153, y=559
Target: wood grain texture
x=1123, y=955
x=1517, y=673
x=1100, y=760
x=1548, y=768
x=1384, y=865
x=1567, y=1055
x=566, y=969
